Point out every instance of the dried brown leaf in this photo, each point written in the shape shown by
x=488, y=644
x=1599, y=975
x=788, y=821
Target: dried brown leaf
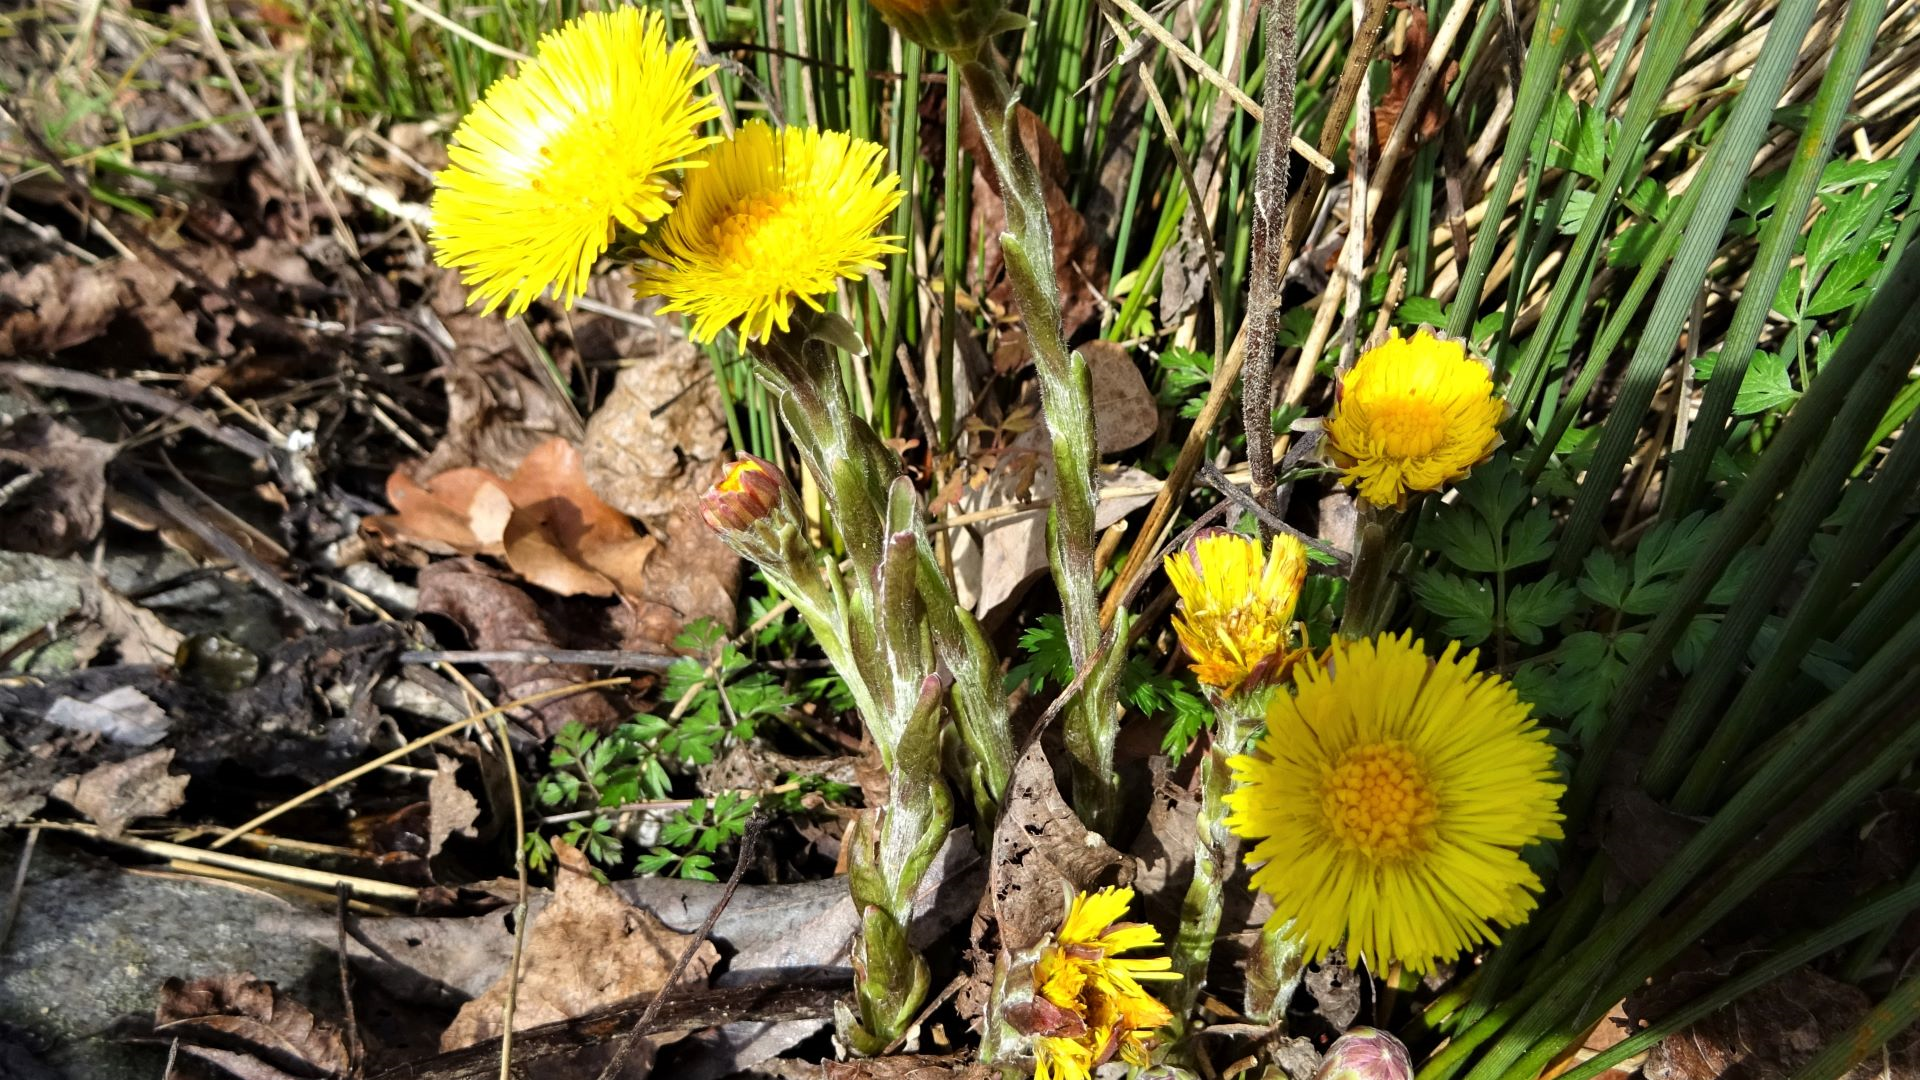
x=497, y=614
x=450, y=808
x=1403, y=71
x=1772, y=1032
x=586, y=949
x=114, y=795
x=653, y=444
x=238, y=1013
x=60, y=304
x=60, y=501
x=1043, y=855
x=1124, y=412
x=693, y=575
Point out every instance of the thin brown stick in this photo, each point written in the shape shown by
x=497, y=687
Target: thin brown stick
x=394, y=755
x=341, y=895
x=131, y=393
x=300, y=875
x=19, y=890
x=613, y=658
x=748, y=839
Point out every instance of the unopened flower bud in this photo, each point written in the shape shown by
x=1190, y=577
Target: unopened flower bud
x=948, y=25
x=751, y=490
x=1366, y=1054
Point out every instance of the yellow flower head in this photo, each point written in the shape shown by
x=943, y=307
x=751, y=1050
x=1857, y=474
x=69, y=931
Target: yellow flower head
x=1092, y=1003
x=775, y=218
x=1413, y=414
x=1236, y=606
x=1389, y=802
x=582, y=137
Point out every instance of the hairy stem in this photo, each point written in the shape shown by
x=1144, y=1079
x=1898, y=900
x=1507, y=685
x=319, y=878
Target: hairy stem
x=1066, y=395
x=1212, y=859
x=1269, y=227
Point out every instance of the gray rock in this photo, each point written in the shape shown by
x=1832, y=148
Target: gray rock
x=94, y=942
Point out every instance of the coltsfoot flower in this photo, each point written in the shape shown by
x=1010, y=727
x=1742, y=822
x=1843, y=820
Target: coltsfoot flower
x=774, y=219
x=1088, y=1004
x=584, y=136
x=1390, y=800
x=750, y=490
x=1414, y=414
x=1236, y=604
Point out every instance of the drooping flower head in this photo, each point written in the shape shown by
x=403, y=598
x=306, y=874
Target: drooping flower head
x=947, y=25
x=1088, y=1003
x=1236, y=604
x=774, y=219
x=1390, y=800
x=583, y=137
x=1414, y=414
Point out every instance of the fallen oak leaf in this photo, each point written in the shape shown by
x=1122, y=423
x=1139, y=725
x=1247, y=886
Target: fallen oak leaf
x=458, y=512
x=586, y=949
x=239, y=1014
x=498, y=615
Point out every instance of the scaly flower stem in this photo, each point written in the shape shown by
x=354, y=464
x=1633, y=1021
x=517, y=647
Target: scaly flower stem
x=1066, y=395
x=857, y=469
x=1378, y=548
x=1273, y=973
x=1235, y=719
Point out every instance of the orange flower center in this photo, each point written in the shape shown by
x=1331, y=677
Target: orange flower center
x=1408, y=427
x=1378, y=803
x=767, y=237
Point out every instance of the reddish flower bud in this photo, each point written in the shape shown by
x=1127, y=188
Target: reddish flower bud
x=947, y=25
x=1366, y=1054
x=751, y=490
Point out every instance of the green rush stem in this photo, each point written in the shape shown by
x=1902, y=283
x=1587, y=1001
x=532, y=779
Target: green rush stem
x=1066, y=395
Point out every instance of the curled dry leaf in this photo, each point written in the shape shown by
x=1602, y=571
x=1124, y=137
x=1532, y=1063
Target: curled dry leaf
x=450, y=808
x=1124, y=412
x=586, y=949
x=562, y=536
x=60, y=304
x=1043, y=855
x=654, y=442
x=497, y=614
x=245, y=1017
x=115, y=795
x=547, y=522
x=1772, y=1032
x=458, y=512
x=56, y=485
